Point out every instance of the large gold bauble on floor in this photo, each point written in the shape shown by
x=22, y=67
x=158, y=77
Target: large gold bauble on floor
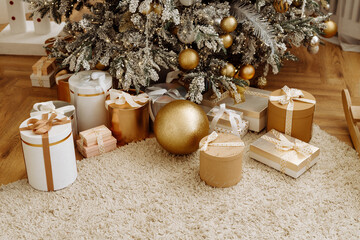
x=228, y=70
x=188, y=59
x=281, y=6
x=331, y=29
x=228, y=24
x=227, y=40
x=247, y=72
x=180, y=125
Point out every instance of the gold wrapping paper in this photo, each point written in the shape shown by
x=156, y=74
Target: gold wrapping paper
x=269, y=151
x=46, y=65
x=63, y=90
x=129, y=124
x=221, y=166
x=302, y=120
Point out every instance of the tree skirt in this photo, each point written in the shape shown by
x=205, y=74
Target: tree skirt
x=140, y=191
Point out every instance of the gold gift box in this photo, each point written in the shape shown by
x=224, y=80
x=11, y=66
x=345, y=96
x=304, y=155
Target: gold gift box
x=221, y=166
x=291, y=163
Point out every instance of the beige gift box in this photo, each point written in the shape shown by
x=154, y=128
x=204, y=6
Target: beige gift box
x=221, y=166
x=284, y=153
x=254, y=107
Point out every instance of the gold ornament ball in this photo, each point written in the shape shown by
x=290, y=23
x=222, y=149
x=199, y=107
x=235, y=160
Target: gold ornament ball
x=297, y=3
x=228, y=24
x=157, y=8
x=330, y=29
x=188, y=59
x=281, y=6
x=180, y=125
x=228, y=70
x=99, y=66
x=227, y=40
x=247, y=72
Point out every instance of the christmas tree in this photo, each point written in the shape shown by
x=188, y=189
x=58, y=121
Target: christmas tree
x=216, y=44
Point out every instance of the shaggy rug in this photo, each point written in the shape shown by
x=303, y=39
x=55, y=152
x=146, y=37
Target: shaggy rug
x=140, y=191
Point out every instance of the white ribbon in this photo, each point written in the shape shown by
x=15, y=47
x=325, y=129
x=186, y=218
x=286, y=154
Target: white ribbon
x=291, y=149
x=212, y=137
x=157, y=92
x=97, y=76
x=120, y=97
x=171, y=76
x=49, y=107
x=62, y=77
x=236, y=122
x=291, y=94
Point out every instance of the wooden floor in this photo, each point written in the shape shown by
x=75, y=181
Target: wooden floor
x=324, y=75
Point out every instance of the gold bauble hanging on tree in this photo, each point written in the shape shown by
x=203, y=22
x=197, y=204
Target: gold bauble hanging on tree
x=297, y=3
x=246, y=72
x=100, y=66
x=228, y=70
x=188, y=59
x=330, y=30
x=180, y=125
x=228, y=24
x=281, y=6
x=227, y=40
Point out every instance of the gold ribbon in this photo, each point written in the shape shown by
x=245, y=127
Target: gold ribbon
x=290, y=149
x=42, y=127
x=212, y=137
x=291, y=95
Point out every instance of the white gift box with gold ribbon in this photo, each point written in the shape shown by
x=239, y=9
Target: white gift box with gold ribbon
x=284, y=153
x=49, y=153
x=254, y=108
x=88, y=93
x=227, y=121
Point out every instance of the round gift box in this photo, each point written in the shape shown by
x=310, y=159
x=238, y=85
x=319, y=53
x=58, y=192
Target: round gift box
x=129, y=124
x=62, y=81
x=62, y=156
x=70, y=114
x=302, y=119
x=89, y=99
x=221, y=166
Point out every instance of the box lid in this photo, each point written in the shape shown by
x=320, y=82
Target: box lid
x=56, y=133
x=90, y=82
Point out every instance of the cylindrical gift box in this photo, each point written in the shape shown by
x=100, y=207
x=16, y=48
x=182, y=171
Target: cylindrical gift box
x=49, y=158
x=163, y=93
x=221, y=166
x=302, y=117
x=62, y=82
x=62, y=106
x=88, y=93
x=127, y=123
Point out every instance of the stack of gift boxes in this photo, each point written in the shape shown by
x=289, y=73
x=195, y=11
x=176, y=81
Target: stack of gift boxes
x=99, y=119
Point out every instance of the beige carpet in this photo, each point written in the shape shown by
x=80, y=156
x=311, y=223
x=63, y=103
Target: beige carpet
x=141, y=192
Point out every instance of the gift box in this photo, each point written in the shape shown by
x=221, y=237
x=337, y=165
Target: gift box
x=163, y=93
x=95, y=141
x=88, y=93
x=284, y=153
x=38, y=80
x=44, y=66
x=128, y=115
x=49, y=151
x=221, y=159
x=291, y=111
x=62, y=82
x=254, y=108
x=57, y=107
x=227, y=121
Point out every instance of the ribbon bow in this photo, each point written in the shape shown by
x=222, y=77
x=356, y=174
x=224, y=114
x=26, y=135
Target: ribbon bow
x=291, y=94
x=157, y=92
x=97, y=76
x=283, y=144
x=49, y=107
x=235, y=119
x=212, y=137
x=120, y=97
x=43, y=125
